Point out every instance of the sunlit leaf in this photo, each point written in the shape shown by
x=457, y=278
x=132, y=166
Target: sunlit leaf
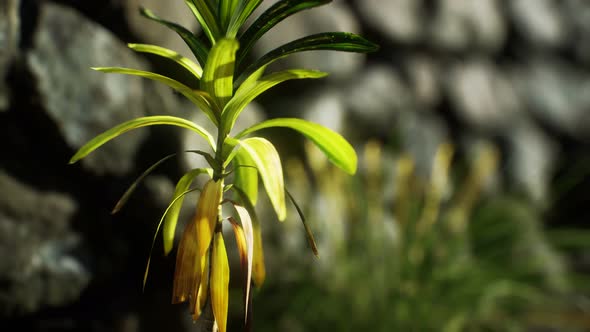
x=267, y=161
x=251, y=81
x=219, y=282
x=187, y=274
x=197, y=47
x=308, y=232
x=108, y=135
x=240, y=16
x=205, y=14
x=258, y=267
x=207, y=213
x=230, y=149
x=246, y=175
x=218, y=74
x=247, y=249
x=334, y=146
x=147, y=267
x=186, y=63
x=249, y=91
x=328, y=41
x=271, y=17
x=200, y=98
x=172, y=216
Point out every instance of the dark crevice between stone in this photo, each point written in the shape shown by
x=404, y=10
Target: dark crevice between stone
x=109, y=14
x=29, y=15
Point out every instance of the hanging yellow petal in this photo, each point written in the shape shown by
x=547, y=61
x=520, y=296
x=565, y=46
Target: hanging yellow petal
x=245, y=251
x=219, y=282
x=206, y=216
x=258, y=268
x=200, y=292
x=187, y=274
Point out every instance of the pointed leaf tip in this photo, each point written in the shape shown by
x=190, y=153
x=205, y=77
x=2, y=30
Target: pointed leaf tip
x=332, y=144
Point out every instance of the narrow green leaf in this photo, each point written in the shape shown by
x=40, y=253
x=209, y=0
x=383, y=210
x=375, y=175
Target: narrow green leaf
x=246, y=175
x=226, y=11
x=334, y=146
x=199, y=49
x=267, y=160
x=108, y=135
x=219, y=281
x=330, y=41
x=271, y=17
x=249, y=91
x=201, y=99
x=308, y=232
x=186, y=63
x=123, y=200
x=174, y=211
x=251, y=81
x=147, y=267
x=219, y=71
x=205, y=14
x=240, y=16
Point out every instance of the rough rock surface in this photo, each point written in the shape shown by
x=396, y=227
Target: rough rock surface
x=39, y=267
x=82, y=102
x=514, y=72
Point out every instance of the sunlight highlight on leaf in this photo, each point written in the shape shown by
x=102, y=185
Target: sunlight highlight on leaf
x=218, y=74
x=200, y=98
x=332, y=144
x=250, y=90
x=108, y=135
x=246, y=175
x=267, y=160
x=186, y=63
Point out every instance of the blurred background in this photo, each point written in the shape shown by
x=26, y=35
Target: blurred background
x=469, y=211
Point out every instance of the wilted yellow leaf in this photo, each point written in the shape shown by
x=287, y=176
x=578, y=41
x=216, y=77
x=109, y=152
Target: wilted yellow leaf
x=188, y=266
x=219, y=282
x=206, y=215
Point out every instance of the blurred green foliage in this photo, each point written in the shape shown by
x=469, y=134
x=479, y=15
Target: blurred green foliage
x=405, y=252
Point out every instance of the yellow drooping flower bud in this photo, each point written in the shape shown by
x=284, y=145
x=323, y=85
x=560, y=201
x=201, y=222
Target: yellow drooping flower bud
x=219, y=282
x=191, y=257
x=207, y=212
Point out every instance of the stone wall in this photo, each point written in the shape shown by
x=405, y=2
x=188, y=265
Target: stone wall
x=516, y=72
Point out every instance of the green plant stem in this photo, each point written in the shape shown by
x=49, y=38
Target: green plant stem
x=206, y=322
